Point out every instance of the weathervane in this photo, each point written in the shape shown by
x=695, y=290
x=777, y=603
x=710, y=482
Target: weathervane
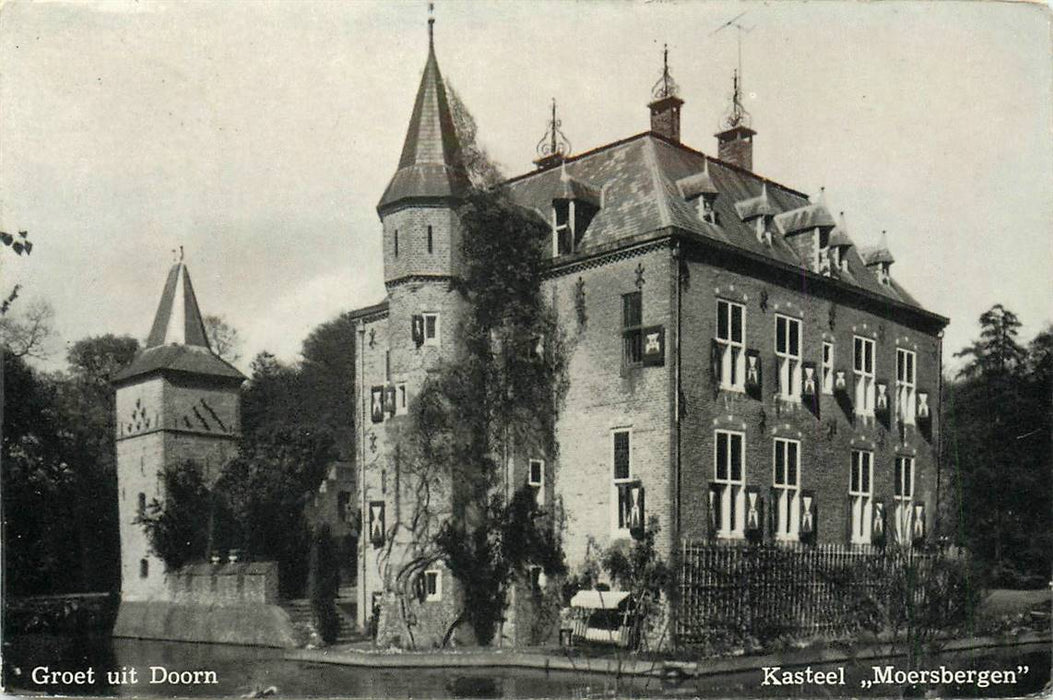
x=737, y=114
x=431, y=24
x=666, y=86
x=554, y=142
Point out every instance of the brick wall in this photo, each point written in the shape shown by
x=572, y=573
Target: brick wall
x=152, y=416
x=827, y=441
x=605, y=395
x=413, y=257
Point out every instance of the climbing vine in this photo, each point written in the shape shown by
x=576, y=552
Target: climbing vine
x=498, y=396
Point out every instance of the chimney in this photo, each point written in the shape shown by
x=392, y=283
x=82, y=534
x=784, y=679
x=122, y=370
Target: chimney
x=665, y=109
x=735, y=142
x=735, y=146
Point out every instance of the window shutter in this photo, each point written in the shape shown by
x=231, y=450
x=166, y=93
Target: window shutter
x=418, y=329
x=714, y=509
x=918, y=524
x=882, y=404
x=389, y=400
x=754, y=377
x=809, y=528
x=376, y=523
x=754, y=514
x=878, y=526
x=773, y=512
x=848, y=520
x=654, y=346
x=377, y=404
x=923, y=415
x=636, y=510
x=810, y=387
x=714, y=365
x=421, y=585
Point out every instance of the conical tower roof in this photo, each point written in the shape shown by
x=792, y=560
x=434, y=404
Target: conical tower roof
x=431, y=165
x=177, y=340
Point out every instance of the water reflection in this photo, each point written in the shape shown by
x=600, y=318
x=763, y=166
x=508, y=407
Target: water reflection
x=241, y=671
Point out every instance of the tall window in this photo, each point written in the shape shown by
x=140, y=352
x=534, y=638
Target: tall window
x=632, y=333
x=861, y=493
x=904, y=497
x=141, y=507
x=144, y=568
x=401, y=399
x=432, y=585
x=621, y=455
x=905, y=385
x=430, y=240
x=562, y=232
x=536, y=479
x=863, y=368
x=731, y=337
x=788, y=354
x=730, y=480
x=396, y=243
x=787, y=485
x=431, y=329
x=828, y=368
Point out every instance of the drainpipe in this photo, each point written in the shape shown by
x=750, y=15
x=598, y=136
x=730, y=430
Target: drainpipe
x=363, y=513
x=937, y=433
x=677, y=411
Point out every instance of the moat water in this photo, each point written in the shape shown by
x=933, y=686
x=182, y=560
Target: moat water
x=239, y=671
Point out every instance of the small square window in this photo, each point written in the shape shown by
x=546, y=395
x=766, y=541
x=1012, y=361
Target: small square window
x=432, y=585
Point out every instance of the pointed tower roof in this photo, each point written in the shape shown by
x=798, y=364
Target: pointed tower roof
x=177, y=340
x=431, y=165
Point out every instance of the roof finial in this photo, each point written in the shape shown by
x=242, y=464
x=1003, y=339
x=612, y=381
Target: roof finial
x=666, y=86
x=180, y=253
x=554, y=143
x=431, y=25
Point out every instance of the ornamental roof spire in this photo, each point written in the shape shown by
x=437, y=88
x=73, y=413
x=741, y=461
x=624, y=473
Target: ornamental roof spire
x=431, y=165
x=178, y=319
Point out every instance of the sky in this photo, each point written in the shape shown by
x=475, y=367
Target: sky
x=259, y=136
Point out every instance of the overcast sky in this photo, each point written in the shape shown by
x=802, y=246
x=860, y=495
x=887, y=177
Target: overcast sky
x=260, y=136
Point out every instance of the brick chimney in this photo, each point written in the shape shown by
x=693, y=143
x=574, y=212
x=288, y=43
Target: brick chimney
x=735, y=145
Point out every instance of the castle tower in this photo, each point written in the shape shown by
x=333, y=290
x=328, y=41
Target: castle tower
x=176, y=401
x=418, y=327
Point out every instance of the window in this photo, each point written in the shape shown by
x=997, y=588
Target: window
x=141, y=508
x=904, y=497
x=396, y=243
x=731, y=339
x=621, y=446
x=905, y=385
x=387, y=365
x=343, y=506
x=432, y=585
x=863, y=368
x=535, y=577
x=706, y=212
x=401, y=401
x=828, y=368
x=562, y=234
x=822, y=251
x=787, y=485
x=431, y=329
x=788, y=354
x=536, y=479
x=430, y=240
x=861, y=494
x=632, y=333
x=144, y=568
x=730, y=481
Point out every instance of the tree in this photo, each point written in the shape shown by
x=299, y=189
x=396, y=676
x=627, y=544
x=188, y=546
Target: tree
x=997, y=442
x=328, y=375
x=482, y=171
x=27, y=334
x=19, y=245
x=997, y=352
x=223, y=338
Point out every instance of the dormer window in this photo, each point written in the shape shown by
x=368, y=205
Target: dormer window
x=822, y=251
x=706, y=212
x=883, y=274
x=763, y=224
x=562, y=233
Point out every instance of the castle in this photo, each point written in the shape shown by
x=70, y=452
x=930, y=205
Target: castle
x=739, y=368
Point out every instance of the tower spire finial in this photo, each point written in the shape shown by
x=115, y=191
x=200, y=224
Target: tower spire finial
x=431, y=25
x=554, y=145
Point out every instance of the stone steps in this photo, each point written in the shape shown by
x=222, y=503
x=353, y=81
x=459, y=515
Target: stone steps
x=302, y=616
